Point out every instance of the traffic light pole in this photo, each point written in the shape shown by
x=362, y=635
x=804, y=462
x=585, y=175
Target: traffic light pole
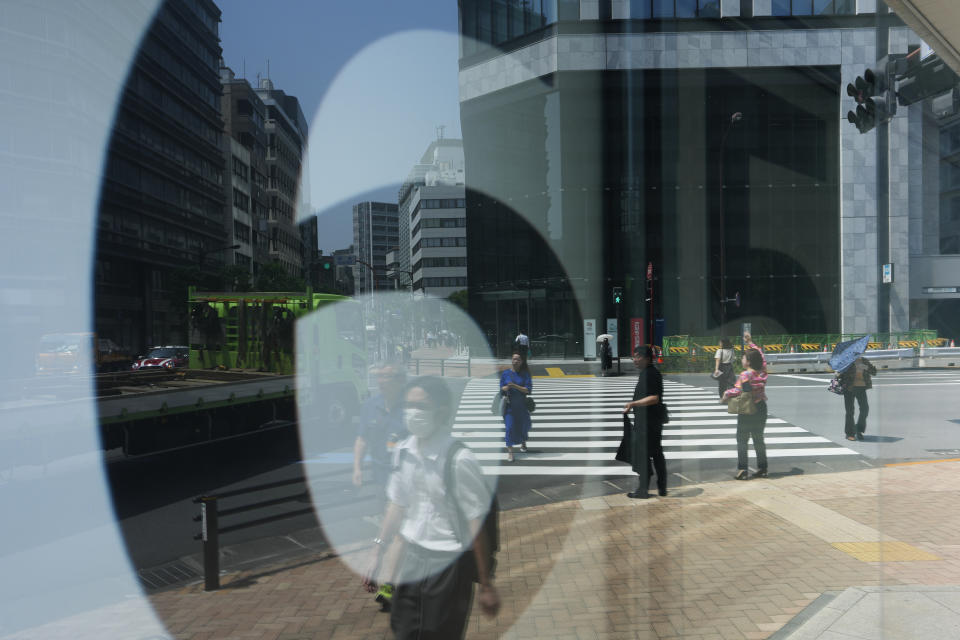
x=883, y=181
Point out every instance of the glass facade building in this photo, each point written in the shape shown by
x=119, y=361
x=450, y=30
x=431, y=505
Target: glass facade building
x=714, y=150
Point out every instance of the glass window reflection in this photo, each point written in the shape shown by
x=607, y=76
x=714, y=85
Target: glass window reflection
x=780, y=7
x=686, y=8
x=663, y=9
x=640, y=9
x=709, y=8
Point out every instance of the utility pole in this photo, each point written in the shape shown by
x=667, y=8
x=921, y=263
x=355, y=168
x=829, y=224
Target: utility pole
x=883, y=180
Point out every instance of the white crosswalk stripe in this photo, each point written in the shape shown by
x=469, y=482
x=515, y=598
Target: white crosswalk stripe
x=578, y=424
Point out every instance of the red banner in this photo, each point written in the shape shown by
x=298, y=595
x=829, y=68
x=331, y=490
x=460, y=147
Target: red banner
x=636, y=333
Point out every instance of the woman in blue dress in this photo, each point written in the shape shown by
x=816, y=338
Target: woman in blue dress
x=516, y=384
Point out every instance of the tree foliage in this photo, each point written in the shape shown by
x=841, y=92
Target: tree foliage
x=274, y=277
x=459, y=298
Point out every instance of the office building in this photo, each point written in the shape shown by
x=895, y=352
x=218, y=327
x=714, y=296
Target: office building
x=433, y=244
x=244, y=117
x=375, y=232
x=286, y=130
x=162, y=205
x=343, y=266
x=310, y=250
x=708, y=141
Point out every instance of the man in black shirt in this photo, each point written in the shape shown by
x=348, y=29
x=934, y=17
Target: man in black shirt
x=647, y=424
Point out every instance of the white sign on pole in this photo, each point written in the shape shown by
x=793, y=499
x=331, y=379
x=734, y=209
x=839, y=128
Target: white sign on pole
x=589, y=339
x=612, y=330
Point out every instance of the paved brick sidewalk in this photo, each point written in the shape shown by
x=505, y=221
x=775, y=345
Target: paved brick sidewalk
x=725, y=560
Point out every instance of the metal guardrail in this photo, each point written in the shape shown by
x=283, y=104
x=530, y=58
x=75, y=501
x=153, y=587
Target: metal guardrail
x=415, y=364
x=820, y=360
x=210, y=514
x=939, y=357
x=824, y=356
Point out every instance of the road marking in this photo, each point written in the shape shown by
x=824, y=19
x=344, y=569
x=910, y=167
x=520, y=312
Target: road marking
x=512, y=470
x=875, y=385
x=787, y=375
x=607, y=456
x=610, y=424
x=537, y=433
x=680, y=475
x=593, y=416
x=715, y=406
x=542, y=495
x=667, y=442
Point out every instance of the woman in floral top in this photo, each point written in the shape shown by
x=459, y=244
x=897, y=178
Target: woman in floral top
x=753, y=380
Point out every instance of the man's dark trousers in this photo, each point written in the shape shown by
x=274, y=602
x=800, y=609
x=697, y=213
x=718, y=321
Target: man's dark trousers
x=655, y=453
x=860, y=394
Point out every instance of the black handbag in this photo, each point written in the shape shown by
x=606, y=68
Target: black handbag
x=664, y=413
x=531, y=404
x=623, y=452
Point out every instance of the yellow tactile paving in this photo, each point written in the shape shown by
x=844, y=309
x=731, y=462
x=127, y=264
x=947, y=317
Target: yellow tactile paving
x=904, y=464
x=557, y=372
x=884, y=551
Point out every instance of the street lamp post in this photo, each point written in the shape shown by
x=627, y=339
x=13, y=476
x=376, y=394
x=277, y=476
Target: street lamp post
x=736, y=117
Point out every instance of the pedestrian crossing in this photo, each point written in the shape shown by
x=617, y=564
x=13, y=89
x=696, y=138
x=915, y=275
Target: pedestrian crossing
x=578, y=424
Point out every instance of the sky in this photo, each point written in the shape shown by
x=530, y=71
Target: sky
x=374, y=80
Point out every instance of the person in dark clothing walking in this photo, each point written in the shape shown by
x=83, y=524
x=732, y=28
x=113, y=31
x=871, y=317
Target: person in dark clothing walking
x=856, y=380
x=647, y=406
x=606, y=357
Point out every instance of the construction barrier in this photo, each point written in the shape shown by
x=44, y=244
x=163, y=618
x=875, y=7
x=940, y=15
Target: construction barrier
x=696, y=353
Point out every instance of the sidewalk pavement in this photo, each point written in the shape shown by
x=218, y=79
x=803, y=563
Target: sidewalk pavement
x=869, y=554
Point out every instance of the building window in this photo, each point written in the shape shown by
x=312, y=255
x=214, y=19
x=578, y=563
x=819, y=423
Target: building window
x=686, y=8
x=445, y=282
x=241, y=200
x=241, y=232
x=708, y=8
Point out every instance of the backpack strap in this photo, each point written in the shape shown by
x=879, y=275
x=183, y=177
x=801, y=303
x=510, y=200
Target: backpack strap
x=461, y=527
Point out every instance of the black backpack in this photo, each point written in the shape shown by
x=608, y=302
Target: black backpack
x=490, y=526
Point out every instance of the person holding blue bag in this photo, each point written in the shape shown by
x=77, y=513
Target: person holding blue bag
x=516, y=384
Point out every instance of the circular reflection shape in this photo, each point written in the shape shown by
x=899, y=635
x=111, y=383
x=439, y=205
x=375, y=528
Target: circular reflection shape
x=355, y=372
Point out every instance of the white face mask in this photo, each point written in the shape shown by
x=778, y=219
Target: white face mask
x=420, y=422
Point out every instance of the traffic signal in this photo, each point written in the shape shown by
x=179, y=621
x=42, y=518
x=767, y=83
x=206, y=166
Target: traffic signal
x=928, y=78
x=617, y=295
x=875, y=97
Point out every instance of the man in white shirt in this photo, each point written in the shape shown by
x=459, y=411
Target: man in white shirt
x=435, y=582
